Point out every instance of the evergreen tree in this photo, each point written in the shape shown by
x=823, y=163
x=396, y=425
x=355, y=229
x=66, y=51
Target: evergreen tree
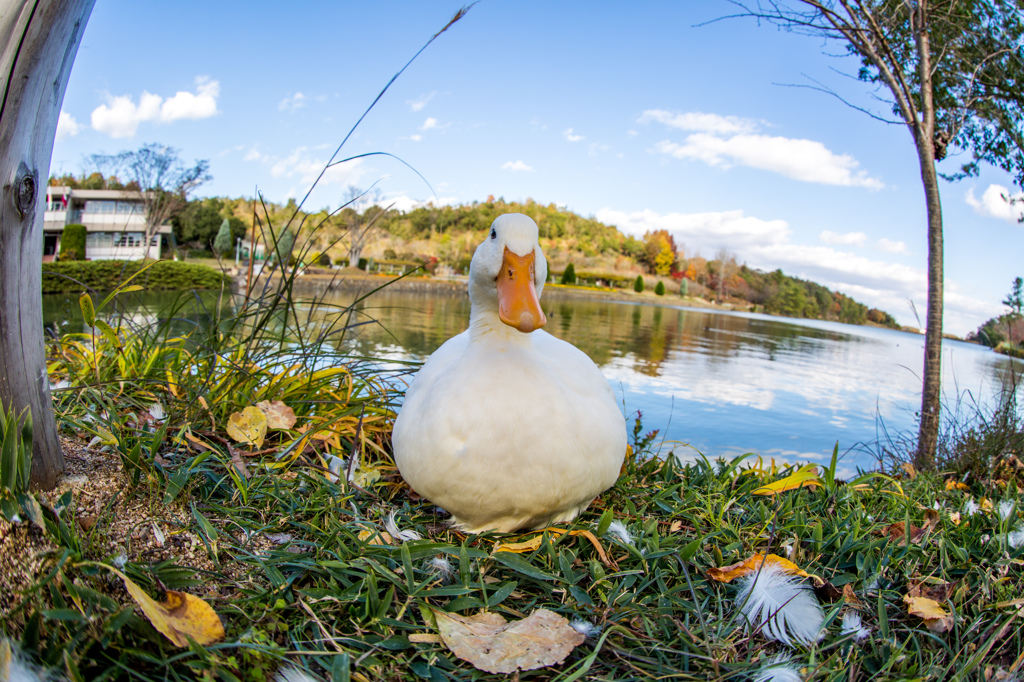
x=659, y=288
x=1015, y=299
x=638, y=285
x=223, y=242
x=569, y=276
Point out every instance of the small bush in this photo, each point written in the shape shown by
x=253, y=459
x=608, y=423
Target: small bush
x=659, y=289
x=72, y=243
x=324, y=260
x=638, y=285
x=569, y=276
x=106, y=275
x=362, y=263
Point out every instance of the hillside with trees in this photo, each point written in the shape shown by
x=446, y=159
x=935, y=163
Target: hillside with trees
x=444, y=238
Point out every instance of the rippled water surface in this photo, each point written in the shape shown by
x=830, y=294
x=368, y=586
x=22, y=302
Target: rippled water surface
x=724, y=383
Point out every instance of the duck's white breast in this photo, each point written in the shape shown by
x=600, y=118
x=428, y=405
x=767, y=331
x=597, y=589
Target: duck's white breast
x=491, y=428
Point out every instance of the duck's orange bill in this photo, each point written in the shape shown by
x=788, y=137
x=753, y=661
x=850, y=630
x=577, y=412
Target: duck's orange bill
x=518, y=305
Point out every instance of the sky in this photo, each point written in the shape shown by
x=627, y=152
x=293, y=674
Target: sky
x=655, y=115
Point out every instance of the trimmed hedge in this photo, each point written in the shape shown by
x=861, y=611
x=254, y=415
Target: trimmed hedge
x=72, y=243
x=638, y=285
x=659, y=289
x=106, y=275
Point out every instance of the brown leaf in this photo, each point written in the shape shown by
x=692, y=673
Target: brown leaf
x=180, y=615
x=849, y=596
x=238, y=464
x=248, y=426
x=425, y=638
x=934, y=589
x=827, y=592
x=727, y=574
x=897, y=531
x=280, y=417
x=493, y=645
x=675, y=527
x=910, y=470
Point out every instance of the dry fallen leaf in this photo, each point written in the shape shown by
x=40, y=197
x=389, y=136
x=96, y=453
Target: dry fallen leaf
x=534, y=543
x=675, y=527
x=897, y=531
x=741, y=568
x=932, y=588
x=493, y=645
x=805, y=477
x=280, y=417
x=910, y=470
x=180, y=615
x=375, y=537
x=955, y=518
x=248, y=426
x=936, y=618
x=953, y=484
x=849, y=596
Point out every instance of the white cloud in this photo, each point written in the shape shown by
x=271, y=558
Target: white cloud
x=421, y=101
x=727, y=140
x=804, y=160
x=596, y=148
x=67, y=126
x=699, y=121
x=849, y=238
x=429, y=124
x=296, y=101
x=712, y=231
x=571, y=136
x=306, y=166
x=994, y=203
x=515, y=166
x=632, y=133
x=890, y=246
x=252, y=155
x=415, y=138
x=120, y=116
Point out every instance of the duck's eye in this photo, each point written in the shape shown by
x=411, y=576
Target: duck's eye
x=494, y=235
x=510, y=276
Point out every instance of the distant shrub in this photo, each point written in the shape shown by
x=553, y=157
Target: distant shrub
x=106, y=275
x=659, y=289
x=72, y=243
x=638, y=285
x=324, y=260
x=362, y=263
x=569, y=276
x=684, y=287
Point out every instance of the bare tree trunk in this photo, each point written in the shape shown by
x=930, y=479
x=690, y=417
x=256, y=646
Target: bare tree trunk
x=40, y=39
x=931, y=394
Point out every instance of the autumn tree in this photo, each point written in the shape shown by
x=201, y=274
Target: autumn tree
x=659, y=254
x=951, y=71
x=164, y=180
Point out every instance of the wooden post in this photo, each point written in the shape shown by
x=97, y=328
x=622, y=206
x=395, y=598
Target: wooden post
x=40, y=39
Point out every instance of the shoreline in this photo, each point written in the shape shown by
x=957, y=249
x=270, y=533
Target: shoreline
x=320, y=283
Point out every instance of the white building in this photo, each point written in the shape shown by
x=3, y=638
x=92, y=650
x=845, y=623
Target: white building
x=115, y=223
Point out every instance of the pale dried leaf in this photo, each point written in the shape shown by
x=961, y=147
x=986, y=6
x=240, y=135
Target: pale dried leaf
x=491, y=644
x=935, y=617
x=729, y=573
x=248, y=426
x=280, y=417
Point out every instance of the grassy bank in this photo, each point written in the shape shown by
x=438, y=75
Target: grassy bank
x=296, y=529
x=107, y=275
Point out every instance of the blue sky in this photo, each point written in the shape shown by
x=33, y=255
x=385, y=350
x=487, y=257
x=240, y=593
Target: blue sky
x=641, y=114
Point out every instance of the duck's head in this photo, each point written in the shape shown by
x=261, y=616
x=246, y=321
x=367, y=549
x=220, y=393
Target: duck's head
x=508, y=272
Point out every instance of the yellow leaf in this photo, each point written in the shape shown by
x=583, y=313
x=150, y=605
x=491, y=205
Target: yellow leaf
x=180, y=615
x=519, y=547
x=953, y=484
x=280, y=417
x=985, y=504
x=248, y=426
x=493, y=645
x=729, y=573
x=909, y=469
x=806, y=476
x=936, y=618
x=375, y=537
x=955, y=518
x=425, y=638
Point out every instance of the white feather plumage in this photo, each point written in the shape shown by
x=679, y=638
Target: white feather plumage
x=785, y=609
x=1005, y=509
x=852, y=625
x=970, y=508
x=294, y=675
x=585, y=627
x=394, y=531
x=778, y=668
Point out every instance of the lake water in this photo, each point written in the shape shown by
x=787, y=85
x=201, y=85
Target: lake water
x=722, y=383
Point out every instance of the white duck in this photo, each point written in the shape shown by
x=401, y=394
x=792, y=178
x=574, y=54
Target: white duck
x=505, y=426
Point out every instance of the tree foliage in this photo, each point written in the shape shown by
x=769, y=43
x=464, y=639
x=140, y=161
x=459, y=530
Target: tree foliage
x=638, y=285
x=223, y=243
x=72, y=242
x=569, y=275
x=165, y=182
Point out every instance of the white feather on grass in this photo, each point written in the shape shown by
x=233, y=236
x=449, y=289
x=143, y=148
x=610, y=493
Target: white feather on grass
x=778, y=668
x=1016, y=538
x=852, y=625
x=295, y=675
x=619, y=530
x=1005, y=509
x=15, y=666
x=970, y=508
x=783, y=608
x=440, y=567
x=585, y=627
x=394, y=531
